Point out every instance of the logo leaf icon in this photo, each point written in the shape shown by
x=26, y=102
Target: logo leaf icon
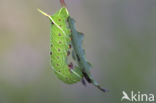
x=125, y=96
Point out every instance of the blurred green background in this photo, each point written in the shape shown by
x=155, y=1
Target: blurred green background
x=120, y=42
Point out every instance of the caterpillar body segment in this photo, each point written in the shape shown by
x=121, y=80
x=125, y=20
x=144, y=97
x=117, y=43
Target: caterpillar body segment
x=60, y=41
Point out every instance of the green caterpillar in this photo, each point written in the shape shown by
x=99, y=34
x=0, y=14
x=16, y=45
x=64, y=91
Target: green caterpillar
x=64, y=40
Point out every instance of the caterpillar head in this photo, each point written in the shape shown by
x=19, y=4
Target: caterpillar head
x=63, y=12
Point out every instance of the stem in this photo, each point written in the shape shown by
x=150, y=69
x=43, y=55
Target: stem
x=45, y=14
x=63, y=4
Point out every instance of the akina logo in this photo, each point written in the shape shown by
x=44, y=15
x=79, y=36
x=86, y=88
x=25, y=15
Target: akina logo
x=137, y=97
